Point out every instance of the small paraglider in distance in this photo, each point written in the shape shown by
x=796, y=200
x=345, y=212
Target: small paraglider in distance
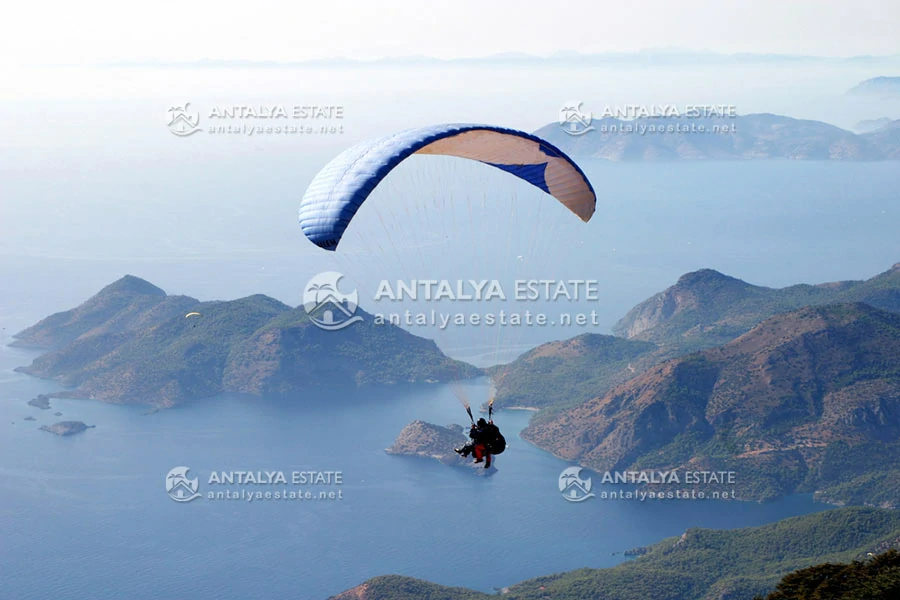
x=192, y=314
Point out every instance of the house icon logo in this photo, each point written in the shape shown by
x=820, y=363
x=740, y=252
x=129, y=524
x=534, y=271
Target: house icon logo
x=573, y=120
x=179, y=487
x=572, y=487
x=181, y=122
x=327, y=307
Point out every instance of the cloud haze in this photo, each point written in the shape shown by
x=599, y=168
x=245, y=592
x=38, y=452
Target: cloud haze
x=101, y=31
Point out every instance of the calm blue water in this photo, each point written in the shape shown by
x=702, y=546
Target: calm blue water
x=93, y=189
x=88, y=516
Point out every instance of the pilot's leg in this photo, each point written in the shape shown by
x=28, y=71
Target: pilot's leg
x=465, y=450
x=479, y=453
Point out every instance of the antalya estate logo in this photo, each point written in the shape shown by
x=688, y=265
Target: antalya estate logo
x=572, y=487
x=179, y=487
x=328, y=308
x=573, y=121
x=181, y=122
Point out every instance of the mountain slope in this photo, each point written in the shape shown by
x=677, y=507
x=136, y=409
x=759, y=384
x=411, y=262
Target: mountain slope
x=876, y=578
x=869, y=125
x=877, y=86
x=131, y=349
x=701, y=564
x=161, y=364
x=886, y=139
x=290, y=353
x=781, y=405
x=744, y=137
x=706, y=308
x=399, y=587
x=127, y=304
x=562, y=373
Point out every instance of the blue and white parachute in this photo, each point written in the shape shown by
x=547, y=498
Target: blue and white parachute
x=340, y=188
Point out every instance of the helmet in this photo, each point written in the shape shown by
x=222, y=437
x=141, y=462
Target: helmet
x=482, y=422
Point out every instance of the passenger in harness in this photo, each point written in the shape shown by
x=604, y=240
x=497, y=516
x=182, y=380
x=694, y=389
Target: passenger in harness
x=486, y=441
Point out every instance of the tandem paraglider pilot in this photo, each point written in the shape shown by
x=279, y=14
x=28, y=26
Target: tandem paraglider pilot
x=486, y=442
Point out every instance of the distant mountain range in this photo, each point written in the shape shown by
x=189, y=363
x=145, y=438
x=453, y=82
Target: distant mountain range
x=131, y=343
x=701, y=564
x=648, y=57
x=877, y=86
x=706, y=308
x=886, y=139
x=869, y=125
x=742, y=137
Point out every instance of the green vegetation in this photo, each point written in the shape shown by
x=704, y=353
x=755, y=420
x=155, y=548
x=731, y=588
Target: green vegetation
x=706, y=308
x=562, y=374
x=867, y=473
x=397, y=587
x=877, y=578
x=808, y=401
x=124, y=305
x=254, y=345
x=702, y=564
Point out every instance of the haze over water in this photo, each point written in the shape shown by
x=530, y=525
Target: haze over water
x=93, y=186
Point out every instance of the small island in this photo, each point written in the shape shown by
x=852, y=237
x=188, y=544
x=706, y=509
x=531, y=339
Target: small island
x=42, y=402
x=427, y=440
x=64, y=428
x=29, y=418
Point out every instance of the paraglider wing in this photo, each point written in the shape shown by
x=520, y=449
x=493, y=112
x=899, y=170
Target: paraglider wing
x=192, y=314
x=340, y=188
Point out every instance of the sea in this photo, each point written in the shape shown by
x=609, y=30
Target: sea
x=89, y=515
x=93, y=186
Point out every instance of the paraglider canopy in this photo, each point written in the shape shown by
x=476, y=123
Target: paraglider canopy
x=192, y=314
x=339, y=189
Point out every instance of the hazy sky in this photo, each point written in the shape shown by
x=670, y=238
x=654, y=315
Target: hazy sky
x=97, y=30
